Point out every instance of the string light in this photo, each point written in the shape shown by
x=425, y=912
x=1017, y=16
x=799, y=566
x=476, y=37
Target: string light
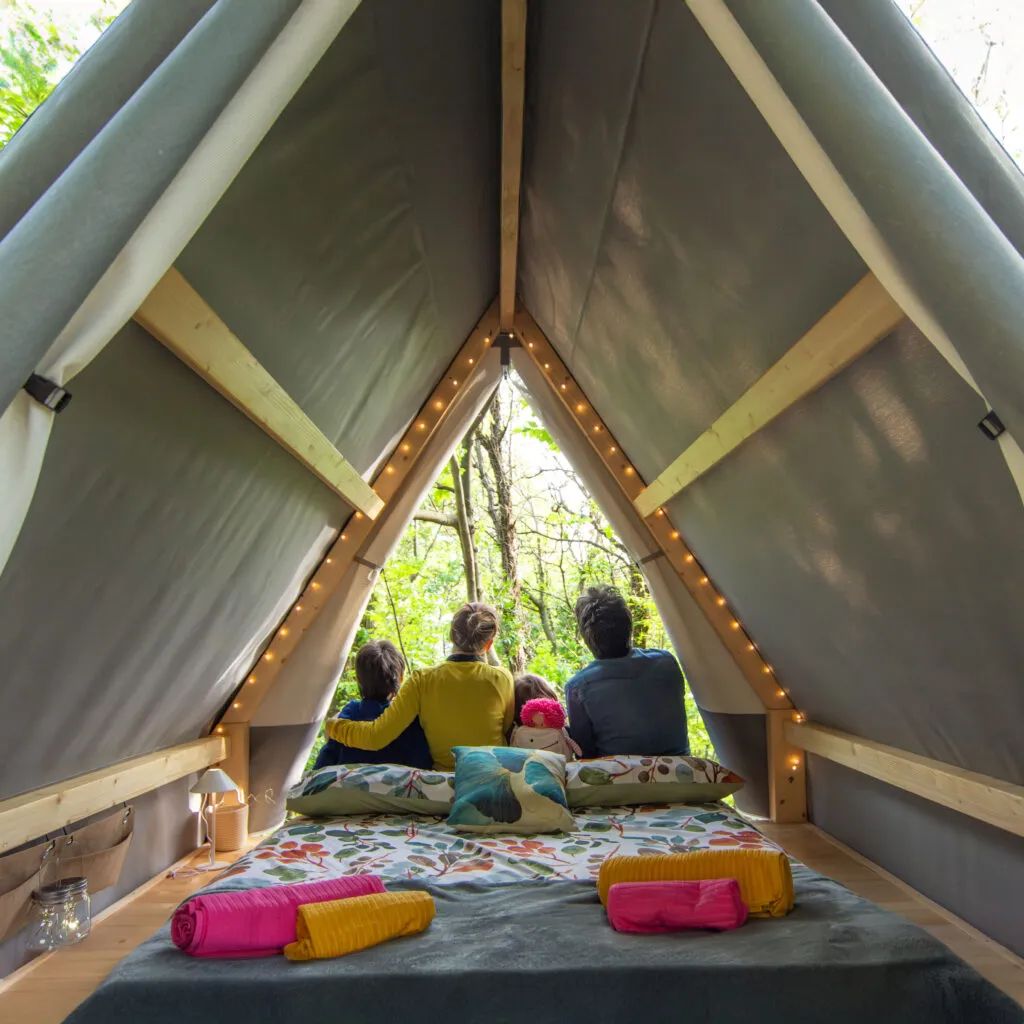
x=720, y=601
x=421, y=425
x=689, y=559
x=794, y=763
x=563, y=386
x=751, y=647
x=252, y=680
x=268, y=655
x=734, y=624
x=629, y=471
x=329, y=560
x=408, y=447
x=298, y=607
x=675, y=535
x=344, y=536
x=487, y=340
x=704, y=581
x=660, y=512
x=547, y=366
x=612, y=450
x=237, y=704
x=439, y=404
x=220, y=729
x=766, y=669
x=597, y=428
x=529, y=344
x=780, y=693
x=314, y=585
x=455, y=382
x=359, y=515
x=389, y=470
x=284, y=631
x=581, y=407
x=799, y=717
x=471, y=360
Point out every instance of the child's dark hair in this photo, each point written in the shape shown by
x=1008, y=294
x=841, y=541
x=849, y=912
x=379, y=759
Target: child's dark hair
x=605, y=622
x=379, y=670
x=530, y=687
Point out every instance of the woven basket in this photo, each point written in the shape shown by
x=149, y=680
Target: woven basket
x=232, y=827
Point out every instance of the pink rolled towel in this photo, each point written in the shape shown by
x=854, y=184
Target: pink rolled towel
x=256, y=922
x=673, y=906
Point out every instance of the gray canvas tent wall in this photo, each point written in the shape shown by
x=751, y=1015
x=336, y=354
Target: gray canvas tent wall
x=701, y=183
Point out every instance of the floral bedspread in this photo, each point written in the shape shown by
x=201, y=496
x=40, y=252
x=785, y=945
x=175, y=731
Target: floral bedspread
x=406, y=847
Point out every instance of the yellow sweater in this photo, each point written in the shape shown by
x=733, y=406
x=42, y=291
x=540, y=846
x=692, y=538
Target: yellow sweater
x=458, y=702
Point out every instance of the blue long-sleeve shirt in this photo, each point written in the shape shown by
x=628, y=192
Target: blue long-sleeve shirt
x=410, y=748
x=629, y=705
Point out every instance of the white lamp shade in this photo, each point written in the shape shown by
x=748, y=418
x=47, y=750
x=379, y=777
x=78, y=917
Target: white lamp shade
x=213, y=780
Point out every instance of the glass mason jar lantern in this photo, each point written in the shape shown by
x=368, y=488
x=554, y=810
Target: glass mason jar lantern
x=60, y=914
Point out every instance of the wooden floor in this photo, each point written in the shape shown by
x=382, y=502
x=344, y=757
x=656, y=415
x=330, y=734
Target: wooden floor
x=49, y=988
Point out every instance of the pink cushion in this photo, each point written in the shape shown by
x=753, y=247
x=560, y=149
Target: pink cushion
x=256, y=922
x=672, y=906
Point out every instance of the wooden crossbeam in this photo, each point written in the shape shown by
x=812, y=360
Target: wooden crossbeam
x=36, y=813
x=787, y=790
x=513, y=63
x=178, y=317
x=864, y=316
x=355, y=532
x=983, y=797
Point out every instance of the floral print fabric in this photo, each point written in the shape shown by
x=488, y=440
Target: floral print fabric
x=401, y=847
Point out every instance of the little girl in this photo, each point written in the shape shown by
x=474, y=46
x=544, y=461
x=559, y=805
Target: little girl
x=540, y=718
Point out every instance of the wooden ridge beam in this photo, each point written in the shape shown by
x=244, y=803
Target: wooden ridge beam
x=980, y=796
x=178, y=317
x=513, y=88
x=787, y=792
x=41, y=811
x=860, y=319
x=357, y=530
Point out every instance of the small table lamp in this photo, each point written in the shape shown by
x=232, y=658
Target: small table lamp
x=212, y=782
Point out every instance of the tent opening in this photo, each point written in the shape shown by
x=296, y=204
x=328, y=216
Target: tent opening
x=508, y=521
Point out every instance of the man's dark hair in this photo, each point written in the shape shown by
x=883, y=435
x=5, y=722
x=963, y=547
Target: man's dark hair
x=379, y=670
x=605, y=622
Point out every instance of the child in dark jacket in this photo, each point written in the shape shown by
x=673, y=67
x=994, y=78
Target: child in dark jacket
x=379, y=672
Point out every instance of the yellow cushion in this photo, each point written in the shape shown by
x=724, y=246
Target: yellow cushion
x=766, y=883
x=344, y=926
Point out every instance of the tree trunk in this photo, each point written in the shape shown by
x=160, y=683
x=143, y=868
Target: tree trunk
x=641, y=615
x=464, y=526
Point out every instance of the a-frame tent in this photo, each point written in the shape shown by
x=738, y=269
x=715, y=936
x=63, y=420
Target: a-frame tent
x=759, y=265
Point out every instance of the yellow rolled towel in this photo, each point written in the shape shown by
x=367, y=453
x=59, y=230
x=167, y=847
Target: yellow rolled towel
x=345, y=926
x=766, y=883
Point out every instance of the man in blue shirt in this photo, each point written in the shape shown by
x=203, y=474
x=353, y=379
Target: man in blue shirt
x=628, y=700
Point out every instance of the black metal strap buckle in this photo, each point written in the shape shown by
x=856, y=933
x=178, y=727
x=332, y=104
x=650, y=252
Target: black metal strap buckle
x=991, y=426
x=45, y=392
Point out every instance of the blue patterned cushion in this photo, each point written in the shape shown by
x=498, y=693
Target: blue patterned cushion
x=509, y=789
x=369, y=788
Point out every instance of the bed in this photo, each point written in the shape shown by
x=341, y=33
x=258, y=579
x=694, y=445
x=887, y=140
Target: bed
x=520, y=936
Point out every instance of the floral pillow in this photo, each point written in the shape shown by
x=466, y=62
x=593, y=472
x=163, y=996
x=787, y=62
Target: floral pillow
x=371, y=788
x=634, y=779
x=509, y=789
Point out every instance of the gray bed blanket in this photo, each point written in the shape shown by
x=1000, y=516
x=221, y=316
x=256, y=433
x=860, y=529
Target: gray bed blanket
x=542, y=952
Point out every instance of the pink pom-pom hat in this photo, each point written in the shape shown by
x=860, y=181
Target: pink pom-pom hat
x=551, y=712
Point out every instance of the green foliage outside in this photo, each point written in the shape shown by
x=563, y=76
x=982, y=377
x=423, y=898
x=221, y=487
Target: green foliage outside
x=38, y=46
x=560, y=544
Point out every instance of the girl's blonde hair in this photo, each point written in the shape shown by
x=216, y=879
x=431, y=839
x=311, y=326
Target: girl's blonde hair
x=472, y=626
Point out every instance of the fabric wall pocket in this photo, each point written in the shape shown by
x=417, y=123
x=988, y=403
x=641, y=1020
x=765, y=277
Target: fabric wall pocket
x=20, y=874
x=97, y=852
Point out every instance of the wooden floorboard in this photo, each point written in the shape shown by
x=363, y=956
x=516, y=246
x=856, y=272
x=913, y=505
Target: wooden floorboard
x=828, y=856
x=48, y=989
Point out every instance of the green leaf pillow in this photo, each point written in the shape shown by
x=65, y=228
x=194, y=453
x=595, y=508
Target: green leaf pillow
x=371, y=789
x=509, y=789
x=627, y=779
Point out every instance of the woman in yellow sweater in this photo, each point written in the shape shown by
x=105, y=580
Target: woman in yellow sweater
x=462, y=701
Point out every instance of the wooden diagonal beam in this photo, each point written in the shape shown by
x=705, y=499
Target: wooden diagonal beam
x=787, y=781
x=357, y=530
x=178, y=317
x=513, y=63
x=864, y=316
x=729, y=629
x=988, y=799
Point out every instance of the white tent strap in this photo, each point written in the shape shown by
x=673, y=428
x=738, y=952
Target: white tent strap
x=830, y=187
x=162, y=235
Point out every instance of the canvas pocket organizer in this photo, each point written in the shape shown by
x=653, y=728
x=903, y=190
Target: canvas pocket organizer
x=95, y=852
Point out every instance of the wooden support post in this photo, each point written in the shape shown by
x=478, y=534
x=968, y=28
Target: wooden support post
x=513, y=63
x=178, y=317
x=864, y=316
x=34, y=814
x=988, y=799
x=357, y=529
x=787, y=771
